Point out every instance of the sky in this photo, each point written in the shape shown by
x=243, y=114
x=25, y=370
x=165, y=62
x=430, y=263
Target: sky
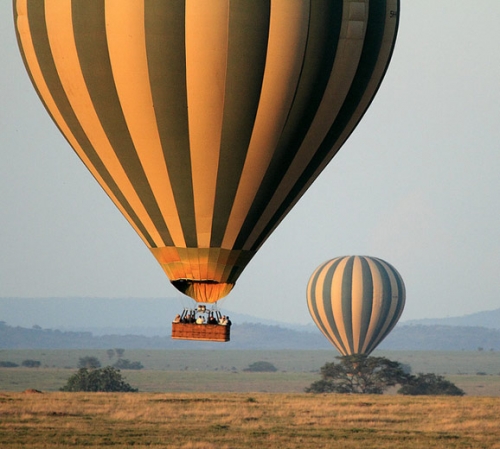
x=416, y=184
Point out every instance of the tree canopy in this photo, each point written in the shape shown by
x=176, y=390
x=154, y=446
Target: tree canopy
x=261, y=366
x=430, y=384
x=359, y=374
x=127, y=364
x=374, y=375
x=29, y=363
x=89, y=362
x=108, y=379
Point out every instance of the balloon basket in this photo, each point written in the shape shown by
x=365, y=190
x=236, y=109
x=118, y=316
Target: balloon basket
x=202, y=332
x=195, y=325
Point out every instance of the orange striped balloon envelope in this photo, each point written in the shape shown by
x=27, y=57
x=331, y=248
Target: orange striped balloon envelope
x=205, y=121
x=355, y=301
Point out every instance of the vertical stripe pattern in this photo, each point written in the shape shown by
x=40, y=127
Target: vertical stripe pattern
x=206, y=120
x=356, y=301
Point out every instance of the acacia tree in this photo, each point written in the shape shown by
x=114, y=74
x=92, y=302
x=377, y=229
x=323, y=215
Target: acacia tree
x=359, y=374
x=261, y=366
x=29, y=363
x=89, y=362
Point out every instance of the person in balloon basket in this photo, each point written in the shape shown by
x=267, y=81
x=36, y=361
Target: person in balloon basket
x=200, y=319
x=225, y=321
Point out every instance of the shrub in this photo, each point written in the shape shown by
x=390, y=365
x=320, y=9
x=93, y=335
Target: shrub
x=106, y=379
x=127, y=364
x=261, y=366
x=31, y=363
x=430, y=384
x=89, y=362
x=6, y=364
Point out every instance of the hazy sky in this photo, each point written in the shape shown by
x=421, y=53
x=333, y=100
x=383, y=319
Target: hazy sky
x=417, y=184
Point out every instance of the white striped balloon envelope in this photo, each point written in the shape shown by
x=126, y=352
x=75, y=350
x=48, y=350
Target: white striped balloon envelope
x=355, y=301
x=205, y=121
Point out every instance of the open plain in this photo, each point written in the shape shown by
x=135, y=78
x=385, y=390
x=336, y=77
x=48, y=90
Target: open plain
x=477, y=373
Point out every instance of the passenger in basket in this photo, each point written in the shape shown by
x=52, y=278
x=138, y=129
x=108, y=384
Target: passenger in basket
x=200, y=320
x=177, y=319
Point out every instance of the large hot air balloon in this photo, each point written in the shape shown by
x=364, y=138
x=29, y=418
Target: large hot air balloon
x=355, y=301
x=205, y=121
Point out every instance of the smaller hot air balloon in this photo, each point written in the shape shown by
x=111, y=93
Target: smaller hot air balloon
x=355, y=301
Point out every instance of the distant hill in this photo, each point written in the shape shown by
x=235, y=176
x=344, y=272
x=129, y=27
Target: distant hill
x=254, y=336
x=243, y=336
x=152, y=316
x=145, y=323
x=139, y=316
x=442, y=338
x=489, y=319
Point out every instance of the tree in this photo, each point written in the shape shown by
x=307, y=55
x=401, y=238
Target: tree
x=119, y=352
x=28, y=363
x=430, y=384
x=89, y=362
x=111, y=353
x=106, y=379
x=359, y=374
x=261, y=366
x=7, y=364
x=127, y=364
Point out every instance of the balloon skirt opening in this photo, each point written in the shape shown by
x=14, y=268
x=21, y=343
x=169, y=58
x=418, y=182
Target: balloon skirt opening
x=203, y=291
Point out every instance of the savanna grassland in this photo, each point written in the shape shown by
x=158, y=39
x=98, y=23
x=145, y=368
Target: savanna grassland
x=206, y=399
x=477, y=373
x=240, y=420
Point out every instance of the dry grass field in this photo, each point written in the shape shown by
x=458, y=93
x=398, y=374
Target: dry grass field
x=242, y=420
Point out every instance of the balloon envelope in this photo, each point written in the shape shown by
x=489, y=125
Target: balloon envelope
x=356, y=301
x=205, y=121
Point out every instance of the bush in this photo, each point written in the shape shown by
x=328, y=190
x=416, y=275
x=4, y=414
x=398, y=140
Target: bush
x=31, y=363
x=5, y=364
x=261, y=367
x=430, y=384
x=106, y=379
x=127, y=364
x=89, y=362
